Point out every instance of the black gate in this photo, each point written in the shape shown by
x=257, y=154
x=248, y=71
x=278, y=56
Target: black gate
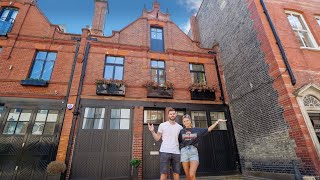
x=103, y=144
x=28, y=142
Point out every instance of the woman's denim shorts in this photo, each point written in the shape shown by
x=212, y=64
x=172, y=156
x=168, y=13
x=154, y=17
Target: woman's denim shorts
x=189, y=153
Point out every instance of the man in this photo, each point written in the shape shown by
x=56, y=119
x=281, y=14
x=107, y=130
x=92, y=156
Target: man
x=169, y=150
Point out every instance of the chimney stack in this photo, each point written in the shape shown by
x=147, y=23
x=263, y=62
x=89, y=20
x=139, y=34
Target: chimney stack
x=100, y=11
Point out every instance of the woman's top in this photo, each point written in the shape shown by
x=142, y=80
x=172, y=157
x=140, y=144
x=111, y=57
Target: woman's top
x=191, y=136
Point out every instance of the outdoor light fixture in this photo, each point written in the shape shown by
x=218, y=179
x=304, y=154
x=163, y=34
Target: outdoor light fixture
x=212, y=52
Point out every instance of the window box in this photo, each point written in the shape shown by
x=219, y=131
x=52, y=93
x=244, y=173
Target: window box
x=111, y=89
x=203, y=95
x=34, y=82
x=159, y=92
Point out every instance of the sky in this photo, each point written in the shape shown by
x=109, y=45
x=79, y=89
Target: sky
x=76, y=14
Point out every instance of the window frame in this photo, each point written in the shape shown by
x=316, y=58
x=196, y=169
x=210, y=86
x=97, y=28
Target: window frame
x=43, y=65
x=318, y=19
x=153, y=109
x=199, y=121
x=158, y=69
x=84, y=119
x=120, y=118
x=113, y=67
x=197, y=72
x=154, y=47
x=307, y=31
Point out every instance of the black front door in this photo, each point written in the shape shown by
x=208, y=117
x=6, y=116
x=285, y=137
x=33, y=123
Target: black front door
x=28, y=142
x=103, y=144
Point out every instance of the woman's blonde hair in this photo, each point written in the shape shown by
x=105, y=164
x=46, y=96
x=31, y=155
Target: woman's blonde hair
x=186, y=116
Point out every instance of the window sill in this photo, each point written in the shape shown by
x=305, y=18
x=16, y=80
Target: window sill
x=311, y=49
x=34, y=82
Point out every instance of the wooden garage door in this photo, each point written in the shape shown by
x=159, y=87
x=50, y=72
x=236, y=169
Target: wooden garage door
x=103, y=144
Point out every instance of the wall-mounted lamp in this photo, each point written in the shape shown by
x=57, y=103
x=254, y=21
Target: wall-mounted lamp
x=212, y=52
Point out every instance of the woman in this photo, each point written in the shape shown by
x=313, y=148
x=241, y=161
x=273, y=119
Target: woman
x=189, y=138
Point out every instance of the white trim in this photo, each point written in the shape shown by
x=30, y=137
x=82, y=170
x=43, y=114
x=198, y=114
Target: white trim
x=313, y=90
x=312, y=39
x=318, y=19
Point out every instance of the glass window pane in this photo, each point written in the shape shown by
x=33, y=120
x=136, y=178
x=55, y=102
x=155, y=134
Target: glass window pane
x=52, y=116
x=41, y=55
x=318, y=20
x=52, y=56
x=118, y=75
x=41, y=115
x=98, y=124
x=38, y=128
x=111, y=59
x=306, y=39
x=49, y=128
x=87, y=123
x=154, y=75
x=47, y=71
x=14, y=115
x=154, y=64
x=159, y=36
x=36, y=69
x=5, y=14
x=25, y=115
x=162, y=78
x=153, y=35
x=21, y=128
x=14, y=15
x=99, y=113
x=9, y=128
x=119, y=60
x=297, y=34
x=89, y=112
x=124, y=124
x=202, y=78
x=114, y=123
x=115, y=113
x=161, y=64
x=196, y=67
x=125, y=113
x=108, y=72
x=194, y=77
x=153, y=116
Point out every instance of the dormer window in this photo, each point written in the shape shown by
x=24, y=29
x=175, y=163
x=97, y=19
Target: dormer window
x=7, y=17
x=157, y=39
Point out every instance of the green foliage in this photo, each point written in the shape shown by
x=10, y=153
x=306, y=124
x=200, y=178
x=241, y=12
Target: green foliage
x=135, y=162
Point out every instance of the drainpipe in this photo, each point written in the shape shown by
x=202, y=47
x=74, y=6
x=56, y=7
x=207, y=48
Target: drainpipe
x=283, y=54
x=76, y=113
x=218, y=74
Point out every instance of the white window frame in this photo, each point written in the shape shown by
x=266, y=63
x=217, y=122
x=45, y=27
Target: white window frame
x=313, y=90
x=318, y=19
x=311, y=37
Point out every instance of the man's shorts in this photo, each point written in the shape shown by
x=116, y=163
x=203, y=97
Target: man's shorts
x=189, y=153
x=167, y=159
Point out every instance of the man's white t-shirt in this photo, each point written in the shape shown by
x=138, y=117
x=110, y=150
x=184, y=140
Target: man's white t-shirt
x=170, y=133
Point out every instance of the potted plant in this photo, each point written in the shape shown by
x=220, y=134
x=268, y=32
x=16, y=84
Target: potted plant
x=135, y=163
x=201, y=91
x=110, y=87
x=54, y=170
x=157, y=90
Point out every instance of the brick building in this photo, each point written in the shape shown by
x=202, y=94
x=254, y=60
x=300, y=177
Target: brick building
x=269, y=53
x=85, y=99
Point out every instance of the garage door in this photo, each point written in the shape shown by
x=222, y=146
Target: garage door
x=103, y=144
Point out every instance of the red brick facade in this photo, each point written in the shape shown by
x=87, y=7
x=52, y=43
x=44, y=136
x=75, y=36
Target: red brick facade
x=32, y=31
x=304, y=63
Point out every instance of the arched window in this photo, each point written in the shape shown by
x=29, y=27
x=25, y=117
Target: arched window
x=311, y=101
